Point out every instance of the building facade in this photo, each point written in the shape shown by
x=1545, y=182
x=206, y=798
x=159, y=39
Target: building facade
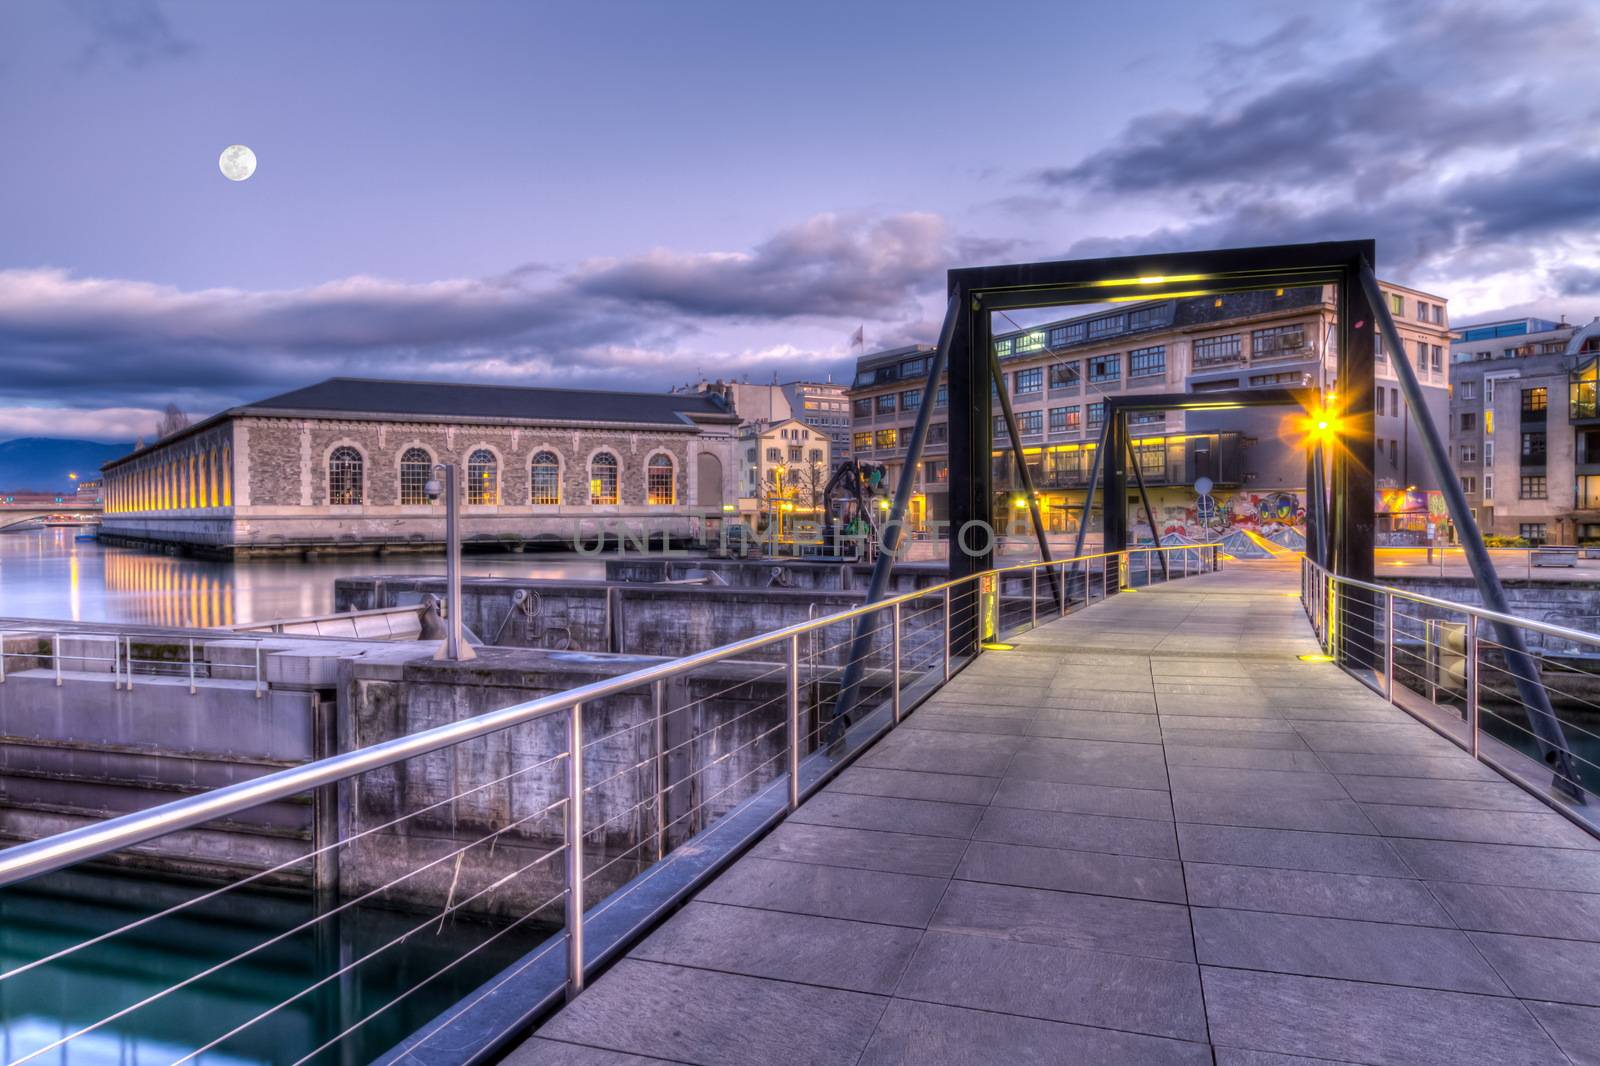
x=1060, y=373
x=823, y=406
x=1525, y=428
x=344, y=465
x=783, y=466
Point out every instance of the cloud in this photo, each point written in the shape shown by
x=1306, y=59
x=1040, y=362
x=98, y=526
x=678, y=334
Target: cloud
x=109, y=424
x=830, y=266
x=1578, y=281
x=135, y=33
x=109, y=344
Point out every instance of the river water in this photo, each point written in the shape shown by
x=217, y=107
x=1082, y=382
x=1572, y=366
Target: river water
x=48, y=573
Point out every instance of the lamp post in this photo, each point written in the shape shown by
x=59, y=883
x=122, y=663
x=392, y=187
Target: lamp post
x=453, y=648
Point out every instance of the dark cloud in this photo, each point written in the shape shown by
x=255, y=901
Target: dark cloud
x=829, y=266
x=135, y=33
x=1578, y=281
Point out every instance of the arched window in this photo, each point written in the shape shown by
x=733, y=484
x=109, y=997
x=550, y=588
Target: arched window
x=659, y=488
x=344, y=477
x=545, y=478
x=416, y=467
x=603, y=479
x=483, y=477
x=227, y=476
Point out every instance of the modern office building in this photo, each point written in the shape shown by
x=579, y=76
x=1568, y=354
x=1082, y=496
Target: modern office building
x=1059, y=374
x=1525, y=428
x=344, y=464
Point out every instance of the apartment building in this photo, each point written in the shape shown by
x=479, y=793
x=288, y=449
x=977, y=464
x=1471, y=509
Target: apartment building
x=1060, y=373
x=821, y=405
x=1525, y=428
x=783, y=464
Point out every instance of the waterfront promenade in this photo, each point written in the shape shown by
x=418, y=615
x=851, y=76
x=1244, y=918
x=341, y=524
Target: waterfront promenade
x=1151, y=835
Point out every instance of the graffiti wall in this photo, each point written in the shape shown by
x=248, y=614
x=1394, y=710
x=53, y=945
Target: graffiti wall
x=1179, y=512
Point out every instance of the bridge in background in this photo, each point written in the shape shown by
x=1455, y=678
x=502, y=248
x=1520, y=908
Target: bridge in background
x=34, y=509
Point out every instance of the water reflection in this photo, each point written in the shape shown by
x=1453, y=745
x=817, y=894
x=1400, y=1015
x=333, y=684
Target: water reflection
x=48, y=573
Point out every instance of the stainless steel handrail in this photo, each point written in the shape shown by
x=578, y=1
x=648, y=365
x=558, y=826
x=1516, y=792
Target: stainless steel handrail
x=1576, y=635
x=65, y=849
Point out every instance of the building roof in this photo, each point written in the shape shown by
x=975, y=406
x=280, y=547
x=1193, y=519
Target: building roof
x=368, y=396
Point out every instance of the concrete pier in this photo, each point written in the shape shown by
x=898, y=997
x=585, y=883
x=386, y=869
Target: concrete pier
x=1149, y=835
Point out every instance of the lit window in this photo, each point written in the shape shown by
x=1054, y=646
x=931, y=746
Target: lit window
x=416, y=468
x=544, y=482
x=660, y=487
x=885, y=438
x=344, y=477
x=603, y=479
x=483, y=477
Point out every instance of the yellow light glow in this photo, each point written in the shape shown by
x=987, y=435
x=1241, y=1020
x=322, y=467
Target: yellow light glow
x=1149, y=279
x=1164, y=296
x=1315, y=658
x=995, y=645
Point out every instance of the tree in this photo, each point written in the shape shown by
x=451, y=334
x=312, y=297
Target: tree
x=171, y=421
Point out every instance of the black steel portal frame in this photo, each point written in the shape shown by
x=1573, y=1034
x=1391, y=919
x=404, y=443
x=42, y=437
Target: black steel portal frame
x=980, y=291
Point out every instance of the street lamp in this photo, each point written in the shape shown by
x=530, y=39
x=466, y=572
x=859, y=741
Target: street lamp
x=453, y=648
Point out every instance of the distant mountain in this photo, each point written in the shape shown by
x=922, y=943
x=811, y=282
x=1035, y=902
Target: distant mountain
x=41, y=464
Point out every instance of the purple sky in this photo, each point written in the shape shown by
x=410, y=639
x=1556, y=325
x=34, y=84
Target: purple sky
x=635, y=194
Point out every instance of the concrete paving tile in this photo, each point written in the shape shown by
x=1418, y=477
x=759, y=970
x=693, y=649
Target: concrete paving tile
x=901, y=853
x=1064, y=984
x=930, y=718
x=1280, y=849
x=1068, y=919
x=1128, y=876
x=1090, y=725
x=831, y=952
x=1244, y=808
x=1501, y=864
x=1529, y=911
x=1421, y=956
x=1575, y=1029
x=937, y=760
x=701, y=1016
x=853, y=811
x=1286, y=784
x=1189, y=707
x=1109, y=702
x=1078, y=832
x=920, y=1034
x=1233, y=738
x=1070, y=680
x=1092, y=763
x=1083, y=799
x=1383, y=1025
x=1376, y=739
x=939, y=740
x=1341, y=712
x=1172, y=722
x=942, y=703
x=1243, y=758
x=1548, y=829
x=827, y=891
x=1564, y=971
x=1460, y=766
x=541, y=1052
x=913, y=784
x=1227, y=1056
x=1316, y=893
x=1481, y=795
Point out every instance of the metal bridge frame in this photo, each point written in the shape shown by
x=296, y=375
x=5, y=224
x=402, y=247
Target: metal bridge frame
x=978, y=292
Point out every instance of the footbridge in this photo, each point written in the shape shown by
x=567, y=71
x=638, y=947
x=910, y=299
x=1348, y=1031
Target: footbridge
x=18, y=514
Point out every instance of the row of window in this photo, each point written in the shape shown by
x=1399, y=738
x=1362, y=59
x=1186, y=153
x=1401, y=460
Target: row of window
x=1529, y=487
x=347, y=478
x=1029, y=423
x=193, y=482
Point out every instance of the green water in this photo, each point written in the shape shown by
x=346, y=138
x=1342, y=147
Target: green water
x=380, y=1001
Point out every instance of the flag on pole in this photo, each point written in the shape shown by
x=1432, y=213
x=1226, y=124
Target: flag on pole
x=858, y=339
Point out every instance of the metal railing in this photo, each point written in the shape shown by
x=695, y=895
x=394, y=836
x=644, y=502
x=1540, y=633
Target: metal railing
x=1446, y=663
x=568, y=804
x=133, y=657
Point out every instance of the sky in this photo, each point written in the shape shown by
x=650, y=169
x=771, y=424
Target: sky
x=640, y=194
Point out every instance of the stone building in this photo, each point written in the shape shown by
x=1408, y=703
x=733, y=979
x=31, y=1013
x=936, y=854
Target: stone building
x=1059, y=374
x=343, y=465
x=1525, y=428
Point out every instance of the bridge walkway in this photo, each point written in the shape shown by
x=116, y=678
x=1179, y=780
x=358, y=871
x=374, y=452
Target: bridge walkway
x=1149, y=834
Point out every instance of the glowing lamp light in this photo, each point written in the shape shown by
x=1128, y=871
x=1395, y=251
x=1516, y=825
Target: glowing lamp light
x=1315, y=658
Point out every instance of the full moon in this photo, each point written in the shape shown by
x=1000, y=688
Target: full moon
x=237, y=162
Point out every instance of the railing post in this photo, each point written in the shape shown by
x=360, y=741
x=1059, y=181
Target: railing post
x=55, y=648
x=659, y=699
x=1033, y=596
x=894, y=651
x=574, y=846
x=1105, y=574
x=1388, y=646
x=259, y=691
x=947, y=634
x=794, y=719
x=1472, y=682
x=191, y=667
